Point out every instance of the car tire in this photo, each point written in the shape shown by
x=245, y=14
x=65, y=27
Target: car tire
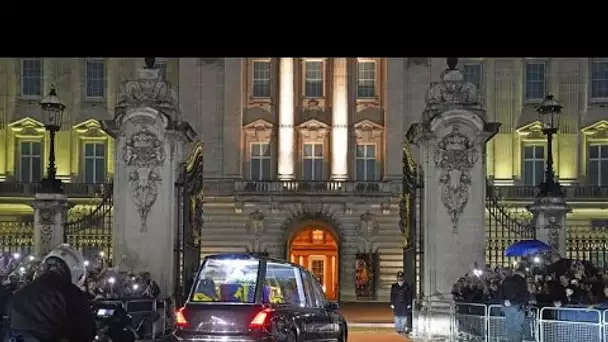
x=343, y=336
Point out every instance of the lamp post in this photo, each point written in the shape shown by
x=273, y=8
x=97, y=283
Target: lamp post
x=52, y=113
x=549, y=112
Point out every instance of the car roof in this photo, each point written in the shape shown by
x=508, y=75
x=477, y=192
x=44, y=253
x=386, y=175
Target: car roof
x=252, y=256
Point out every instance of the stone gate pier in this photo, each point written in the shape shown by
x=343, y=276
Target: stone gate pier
x=150, y=141
x=452, y=136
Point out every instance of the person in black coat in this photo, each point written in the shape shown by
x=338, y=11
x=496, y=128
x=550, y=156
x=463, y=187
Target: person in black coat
x=401, y=303
x=53, y=307
x=514, y=297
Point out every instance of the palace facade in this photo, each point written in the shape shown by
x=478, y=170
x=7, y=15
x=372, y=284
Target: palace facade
x=303, y=156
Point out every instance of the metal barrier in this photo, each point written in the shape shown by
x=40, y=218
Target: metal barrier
x=497, y=329
x=570, y=324
x=433, y=319
x=481, y=322
x=470, y=322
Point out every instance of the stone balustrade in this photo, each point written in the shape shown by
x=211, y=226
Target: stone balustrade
x=572, y=192
x=73, y=190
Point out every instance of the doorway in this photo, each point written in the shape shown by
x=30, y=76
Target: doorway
x=316, y=249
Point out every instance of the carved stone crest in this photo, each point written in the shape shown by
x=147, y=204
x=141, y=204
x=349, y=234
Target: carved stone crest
x=455, y=156
x=255, y=224
x=451, y=92
x=142, y=153
x=150, y=90
x=47, y=224
x=368, y=226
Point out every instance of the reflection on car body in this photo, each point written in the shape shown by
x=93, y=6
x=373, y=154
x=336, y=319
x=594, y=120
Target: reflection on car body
x=241, y=297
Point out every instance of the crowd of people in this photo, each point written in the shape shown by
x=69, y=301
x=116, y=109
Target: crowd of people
x=551, y=279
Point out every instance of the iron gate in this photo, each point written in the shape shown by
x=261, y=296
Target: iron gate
x=90, y=231
x=410, y=222
x=190, y=220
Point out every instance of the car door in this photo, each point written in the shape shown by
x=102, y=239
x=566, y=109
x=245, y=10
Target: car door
x=329, y=327
x=320, y=320
x=309, y=324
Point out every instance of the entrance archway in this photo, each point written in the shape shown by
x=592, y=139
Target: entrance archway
x=315, y=247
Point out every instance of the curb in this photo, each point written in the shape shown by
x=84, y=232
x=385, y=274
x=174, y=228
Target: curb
x=371, y=325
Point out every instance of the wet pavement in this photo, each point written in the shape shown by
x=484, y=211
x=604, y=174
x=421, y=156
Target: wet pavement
x=367, y=312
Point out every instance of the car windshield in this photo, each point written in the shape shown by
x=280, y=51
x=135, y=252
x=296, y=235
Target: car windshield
x=227, y=281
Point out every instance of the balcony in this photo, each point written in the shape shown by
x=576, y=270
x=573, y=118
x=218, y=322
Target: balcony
x=592, y=193
x=73, y=190
x=325, y=188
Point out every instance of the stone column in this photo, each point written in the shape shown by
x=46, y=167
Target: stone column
x=286, y=119
x=149, y=150
x=50, y=215
x=339, y=130
x=452, y=136
x=549, y=219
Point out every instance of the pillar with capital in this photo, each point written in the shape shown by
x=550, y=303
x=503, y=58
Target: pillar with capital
x=150, y=142
x=50, y=215
x=452, y=136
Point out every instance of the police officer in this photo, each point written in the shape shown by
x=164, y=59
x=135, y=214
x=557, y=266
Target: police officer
x=53, y=307
x=514, y=297
x=401, y=302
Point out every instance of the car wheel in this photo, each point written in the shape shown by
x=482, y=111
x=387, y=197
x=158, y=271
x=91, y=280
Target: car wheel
x=343, y=335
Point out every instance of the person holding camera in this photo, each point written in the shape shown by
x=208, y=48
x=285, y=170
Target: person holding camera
x=514, y=297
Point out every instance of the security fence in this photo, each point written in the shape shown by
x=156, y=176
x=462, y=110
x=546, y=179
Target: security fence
x=442, y=320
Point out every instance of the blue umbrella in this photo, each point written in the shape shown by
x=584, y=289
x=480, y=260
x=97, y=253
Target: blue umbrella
x=527, y=247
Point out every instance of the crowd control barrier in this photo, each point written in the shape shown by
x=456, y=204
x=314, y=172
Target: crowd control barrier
x=457, y=321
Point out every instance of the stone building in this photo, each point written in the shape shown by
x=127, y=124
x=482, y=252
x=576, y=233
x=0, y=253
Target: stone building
x=303, y=156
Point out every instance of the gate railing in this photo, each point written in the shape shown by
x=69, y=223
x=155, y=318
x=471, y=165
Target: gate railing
x=91, y=231
x=17, y=237
x=503, y=228
x=486, y=322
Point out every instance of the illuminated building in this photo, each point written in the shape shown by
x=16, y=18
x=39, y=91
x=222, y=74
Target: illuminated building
x=303, y=156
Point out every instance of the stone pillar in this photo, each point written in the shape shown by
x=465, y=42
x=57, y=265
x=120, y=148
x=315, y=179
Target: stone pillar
x=149, y=150
x=339, y=130
x=50, y=215
x=286, y=120
x=549, y=219
x=452, y=135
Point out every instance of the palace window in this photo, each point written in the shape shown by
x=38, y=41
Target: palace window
x=313, y=86
x=95, y=79
x=313, y=162
x=260, y=161
x=473, y=73
x=366, y=162
x=535, y=87
x=94, y=162
x=30, y=161
x=598, y=165
x=534, y=165
x=261, y=79
x=366, y=80
x=31, y=77
x=599, y=79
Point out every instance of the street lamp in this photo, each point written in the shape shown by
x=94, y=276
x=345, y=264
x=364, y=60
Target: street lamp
x=52, y=113
x=549, y=112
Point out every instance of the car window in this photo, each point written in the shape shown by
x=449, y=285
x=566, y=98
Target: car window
x=316, y=298
x=283, y=285
x=309, y=292
x=227, y=280
x=319, y=294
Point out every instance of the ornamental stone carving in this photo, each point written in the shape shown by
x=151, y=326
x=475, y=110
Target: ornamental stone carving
x=451, y=92
x=47, y=225
x=455, y=156
x=150, y=90
x=368, y=226
x=255, y=224
x=143, y=152
x=313, y=131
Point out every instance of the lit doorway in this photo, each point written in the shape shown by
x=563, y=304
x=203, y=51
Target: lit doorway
x=316, y=249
